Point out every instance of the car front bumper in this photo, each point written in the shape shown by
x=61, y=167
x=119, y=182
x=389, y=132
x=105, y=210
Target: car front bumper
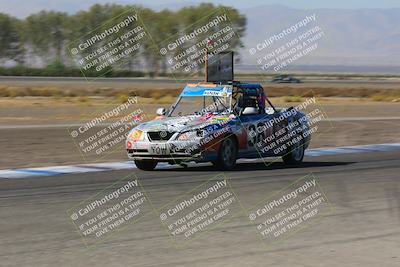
x=171, y=151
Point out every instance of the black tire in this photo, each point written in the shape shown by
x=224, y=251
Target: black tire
x=227, y=153
x=146, y=165
x=296, y=154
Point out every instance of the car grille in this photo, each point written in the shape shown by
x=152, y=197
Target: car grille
x=160, y=136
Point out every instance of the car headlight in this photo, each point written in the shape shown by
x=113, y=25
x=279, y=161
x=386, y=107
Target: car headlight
x=191, y=135
x=136, y=135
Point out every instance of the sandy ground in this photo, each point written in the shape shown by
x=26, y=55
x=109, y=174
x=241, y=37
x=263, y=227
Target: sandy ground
x=49, y=110
x=349, y=122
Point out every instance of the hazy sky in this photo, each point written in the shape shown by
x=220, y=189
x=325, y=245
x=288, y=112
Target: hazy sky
x=22, y=8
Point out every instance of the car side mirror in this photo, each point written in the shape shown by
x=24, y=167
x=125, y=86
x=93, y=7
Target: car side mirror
x=250, y=111
x=161, y=111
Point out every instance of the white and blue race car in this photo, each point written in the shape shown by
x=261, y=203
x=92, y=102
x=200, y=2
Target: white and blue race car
x=219, y=123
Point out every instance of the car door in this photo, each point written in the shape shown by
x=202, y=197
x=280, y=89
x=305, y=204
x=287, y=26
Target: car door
x=256, y=130
x=264, y=134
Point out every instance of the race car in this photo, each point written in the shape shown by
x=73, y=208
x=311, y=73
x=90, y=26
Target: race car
x=219, y=123
x=285, y=79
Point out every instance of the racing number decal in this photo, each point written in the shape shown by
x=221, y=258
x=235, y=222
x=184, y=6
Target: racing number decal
x=256, y=133
x=251, y=136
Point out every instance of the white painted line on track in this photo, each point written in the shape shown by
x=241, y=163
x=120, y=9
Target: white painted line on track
x=126, y=165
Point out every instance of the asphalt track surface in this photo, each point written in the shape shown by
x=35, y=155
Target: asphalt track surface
x=391, y=83
x=363, y=229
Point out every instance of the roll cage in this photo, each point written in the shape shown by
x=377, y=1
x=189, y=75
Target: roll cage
x=249, y=95
x=243, y=95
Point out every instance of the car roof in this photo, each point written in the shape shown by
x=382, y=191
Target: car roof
x=222, y=90
x=206, y=89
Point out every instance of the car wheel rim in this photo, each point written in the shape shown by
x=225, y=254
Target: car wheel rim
x=228, y=152
x=298, y=152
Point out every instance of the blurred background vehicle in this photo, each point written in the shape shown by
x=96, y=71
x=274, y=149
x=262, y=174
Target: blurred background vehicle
x=285, y=79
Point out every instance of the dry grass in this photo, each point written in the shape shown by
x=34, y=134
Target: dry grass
x=385, y=98
x=83, y=99
x=291, y=99
x=122, y=98
x=165, y=95
x=328, y=91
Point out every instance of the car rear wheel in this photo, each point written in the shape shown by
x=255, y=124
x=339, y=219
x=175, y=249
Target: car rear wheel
x=146, y=165
x=227, y=154
x=296, y=154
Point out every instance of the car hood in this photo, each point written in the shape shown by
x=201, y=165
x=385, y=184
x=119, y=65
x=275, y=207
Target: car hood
x=181, y=124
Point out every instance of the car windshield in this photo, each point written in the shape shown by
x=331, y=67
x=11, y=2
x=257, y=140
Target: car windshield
x=201, y=105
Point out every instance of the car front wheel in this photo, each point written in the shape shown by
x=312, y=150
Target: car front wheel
x=146, y=165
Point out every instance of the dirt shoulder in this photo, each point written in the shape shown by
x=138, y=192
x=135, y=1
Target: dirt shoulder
x=65, y=110
x=354, y=122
